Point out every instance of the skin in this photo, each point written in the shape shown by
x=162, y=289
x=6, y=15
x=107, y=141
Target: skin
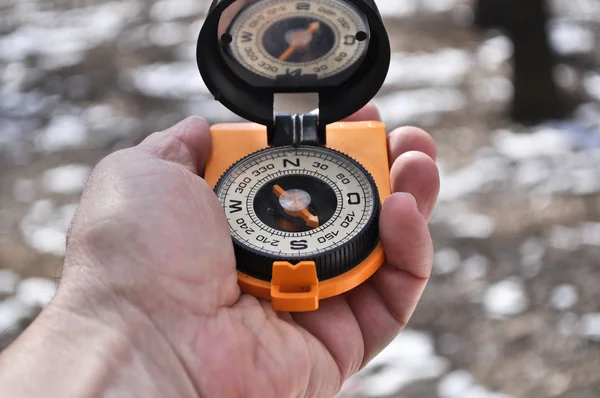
x=149, y=305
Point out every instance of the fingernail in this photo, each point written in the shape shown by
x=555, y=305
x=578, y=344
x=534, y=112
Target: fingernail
x=407, y=196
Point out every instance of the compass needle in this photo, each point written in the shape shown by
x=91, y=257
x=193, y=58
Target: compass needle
x=288, y=53
x=312, y=221
x=314, y=27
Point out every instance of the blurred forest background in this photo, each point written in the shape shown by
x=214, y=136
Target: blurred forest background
x=510, y=90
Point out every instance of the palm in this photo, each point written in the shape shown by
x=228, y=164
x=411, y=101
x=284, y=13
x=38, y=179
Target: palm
x=181, y=271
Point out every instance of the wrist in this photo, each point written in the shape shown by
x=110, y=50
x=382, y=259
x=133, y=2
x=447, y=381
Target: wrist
x=91, y=344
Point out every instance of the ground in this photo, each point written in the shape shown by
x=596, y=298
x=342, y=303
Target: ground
x=512, y=308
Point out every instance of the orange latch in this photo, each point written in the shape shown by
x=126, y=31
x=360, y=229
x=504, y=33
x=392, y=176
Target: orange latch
x=295, y=288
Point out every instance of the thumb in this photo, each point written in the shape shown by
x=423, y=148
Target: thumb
x=187, y=143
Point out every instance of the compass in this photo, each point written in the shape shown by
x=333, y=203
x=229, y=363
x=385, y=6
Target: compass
x=301, y=192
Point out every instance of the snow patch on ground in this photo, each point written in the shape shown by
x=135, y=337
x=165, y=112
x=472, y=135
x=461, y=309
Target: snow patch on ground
x=177, y=80
x=446, y=67
x=62, y=37
x=397, y=9
x=472, y=226
x=569, y=38
x=473, y=178
x=68, y=179
x=462, y=221
x=63, y=132
x=462, y=384
x=446, y=261
x=45, y=226
x=543, y=142
x=506, y=298
x=36, y=291
x=474, y=268
x=168, y=10
x=12, y=311
x=167, y=34
x=409, y=358
x=591, y=83
x=30, y=294
x=564, y=297
x=422, y=106
x=493, y=89
x=590, y=326
x=494, y=52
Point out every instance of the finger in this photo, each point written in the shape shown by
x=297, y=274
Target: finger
x=336, y=327
x=187, y=143
x=416, y=173
x=406, y=139
x=368, y=113
x=384, y=305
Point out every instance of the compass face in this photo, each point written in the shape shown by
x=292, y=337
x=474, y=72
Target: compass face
x=292, y=38
x=296, y=203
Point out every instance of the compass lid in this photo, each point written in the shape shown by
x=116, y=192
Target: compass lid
x=250, y=50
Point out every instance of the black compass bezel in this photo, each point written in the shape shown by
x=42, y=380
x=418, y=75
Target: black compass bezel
x=255, y=102
x=329, y=264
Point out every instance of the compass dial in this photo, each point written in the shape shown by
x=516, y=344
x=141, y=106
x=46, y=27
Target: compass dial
x=296, y=38
x=295, y=204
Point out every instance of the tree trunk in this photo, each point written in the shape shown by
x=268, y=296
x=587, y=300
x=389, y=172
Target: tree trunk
x=537, y=97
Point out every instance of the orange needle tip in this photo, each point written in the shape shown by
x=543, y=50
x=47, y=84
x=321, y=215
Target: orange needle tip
x=278, y=191
x=313, y=221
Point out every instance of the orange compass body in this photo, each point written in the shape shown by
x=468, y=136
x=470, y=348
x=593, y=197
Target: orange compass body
x=298, y=288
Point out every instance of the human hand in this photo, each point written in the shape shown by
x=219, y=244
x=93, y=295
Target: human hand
x=150, y=266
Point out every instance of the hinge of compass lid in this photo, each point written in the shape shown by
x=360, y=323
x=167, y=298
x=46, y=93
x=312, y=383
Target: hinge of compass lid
x=293, y=124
